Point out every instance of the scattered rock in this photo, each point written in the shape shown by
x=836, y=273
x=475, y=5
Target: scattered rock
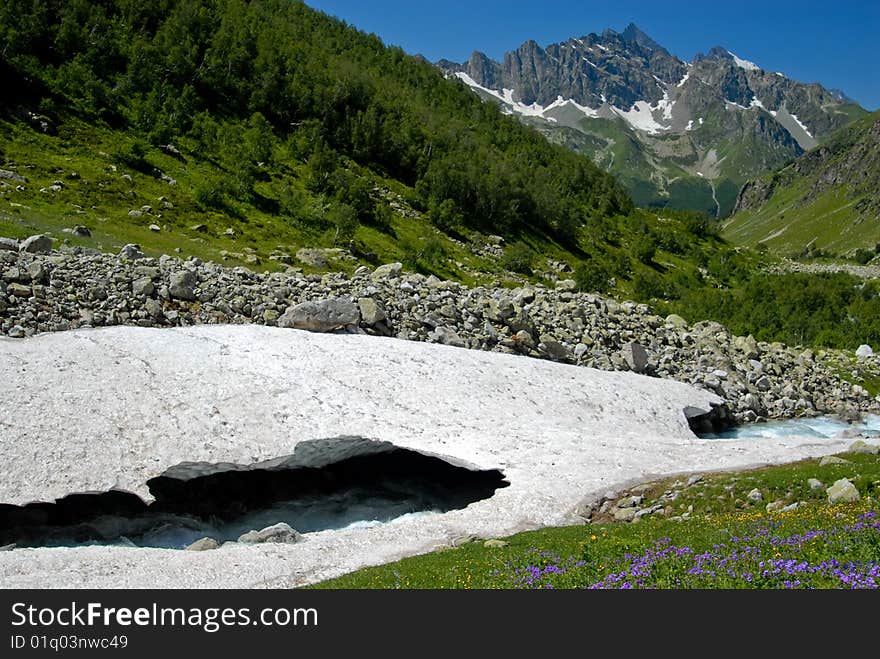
x=833, y=460
x=755, y=495
x=205, y=544
x=312, y=257
x=12, y=176
x=371, y=311
x=8, y=244
x=775, y=506
x=636, y=357
x=143, y=286
x=624, y=514
x=387, y=271
x=815, y=484
x=131, y=252
x=495, y=543
x=81, y=231
x=182, y=285
x=864, y=447
x=280, y=533
x=843, y=491
x=676, y=321
x=630, y=501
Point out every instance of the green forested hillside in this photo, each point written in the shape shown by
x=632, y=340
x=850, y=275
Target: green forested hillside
x=249, y=130
x=249, y=85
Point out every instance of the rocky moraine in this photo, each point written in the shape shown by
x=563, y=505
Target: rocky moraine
x=47, y=290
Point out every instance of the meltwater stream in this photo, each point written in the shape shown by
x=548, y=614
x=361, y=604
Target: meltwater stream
x=826, y=427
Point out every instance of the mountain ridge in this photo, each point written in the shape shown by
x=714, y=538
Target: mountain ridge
x=678, y=134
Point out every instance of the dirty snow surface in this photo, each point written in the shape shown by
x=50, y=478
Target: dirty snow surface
x=95, y=410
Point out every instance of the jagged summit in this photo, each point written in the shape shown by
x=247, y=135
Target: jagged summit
x=634, y=34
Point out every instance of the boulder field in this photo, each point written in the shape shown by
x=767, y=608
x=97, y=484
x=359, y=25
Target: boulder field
x=94, y=410
x=45, y=290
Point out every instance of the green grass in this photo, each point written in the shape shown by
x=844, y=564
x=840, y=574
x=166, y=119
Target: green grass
x=722, y=515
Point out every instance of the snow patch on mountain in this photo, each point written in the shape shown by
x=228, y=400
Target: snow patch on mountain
x=802, y=126
x=744, y=64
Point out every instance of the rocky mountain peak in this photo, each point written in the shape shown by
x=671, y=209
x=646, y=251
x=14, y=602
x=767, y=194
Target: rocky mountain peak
x=634, y=34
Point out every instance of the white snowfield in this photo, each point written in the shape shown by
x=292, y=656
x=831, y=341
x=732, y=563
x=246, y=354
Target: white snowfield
x=94, y=410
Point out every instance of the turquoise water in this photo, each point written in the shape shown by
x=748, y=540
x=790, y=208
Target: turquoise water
x=821, y=427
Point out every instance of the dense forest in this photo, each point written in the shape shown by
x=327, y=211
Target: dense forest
x=237, y=76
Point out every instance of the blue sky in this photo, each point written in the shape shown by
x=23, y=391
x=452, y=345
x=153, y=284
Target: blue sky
x=835, y=43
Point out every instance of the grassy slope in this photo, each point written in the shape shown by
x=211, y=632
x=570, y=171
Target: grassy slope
x=795, y=214
x=721, y=512
x=100, y=198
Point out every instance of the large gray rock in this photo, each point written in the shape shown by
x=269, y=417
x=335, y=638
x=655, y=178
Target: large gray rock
x=142, y=286
x=387, y=271
x=815, y=484
x=864, y=351
x=676, y=321
x=635, y=356
x=833, y=460
x=131, y=252
x=281, y=533
x=861, y=446
x=205, y=544
x=12, y=176
x=8, y=244
x=371, y=311
x=843, y=491
x=39, y=244
x=182, y=285
x=313, y=257
x=321, y=315
x=448, y=337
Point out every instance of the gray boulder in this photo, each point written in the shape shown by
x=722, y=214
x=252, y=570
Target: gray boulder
x=313, y=257
x=182, y=285
x=864, y=351
x=205, y=544
x=142, y=286
x=815, y=484
x=864, y=447
x=81, y=231
x=8, y=244
x=12, y=176
x=676, y=321
x=843, y=491
x=280, y=533
x=635, y=356
x=833, y=460
x=371, y=311
x=39, y=244
x=448, y=337
x=387, y=271
x=131, y=252
x=321, y=315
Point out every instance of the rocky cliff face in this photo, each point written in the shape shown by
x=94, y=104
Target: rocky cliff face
x=678, y=134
